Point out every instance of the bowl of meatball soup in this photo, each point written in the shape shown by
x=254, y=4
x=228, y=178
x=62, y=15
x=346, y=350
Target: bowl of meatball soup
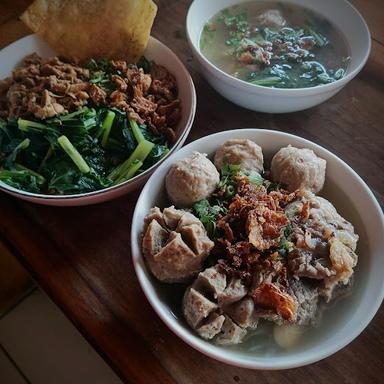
x=259, y=248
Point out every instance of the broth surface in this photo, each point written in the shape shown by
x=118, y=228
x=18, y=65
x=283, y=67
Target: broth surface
x=275, y=44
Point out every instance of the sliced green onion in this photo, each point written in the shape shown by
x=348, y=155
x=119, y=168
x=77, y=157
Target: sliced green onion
x=74, y=154
x=230, y=190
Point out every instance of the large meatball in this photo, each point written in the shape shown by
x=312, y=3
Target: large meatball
x=244, y=152
x=175, y=244
x=298, y=169
x=191, y=180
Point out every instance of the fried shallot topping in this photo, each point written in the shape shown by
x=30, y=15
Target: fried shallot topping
x=256, y=216
x=253, y=230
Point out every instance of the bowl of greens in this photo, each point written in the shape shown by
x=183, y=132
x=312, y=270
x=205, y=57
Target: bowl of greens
x=278, y=56
x=82, y=133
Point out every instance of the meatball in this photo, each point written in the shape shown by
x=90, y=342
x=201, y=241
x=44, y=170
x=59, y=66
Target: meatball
x=191, y=180
x=244, y=152
x=271, y=18
x=175, y=244
x=298, y=169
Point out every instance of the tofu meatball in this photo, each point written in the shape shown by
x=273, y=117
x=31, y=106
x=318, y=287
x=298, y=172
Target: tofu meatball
x=244, y=152
x=298, y=169
x=175, y=244
x=191, y=180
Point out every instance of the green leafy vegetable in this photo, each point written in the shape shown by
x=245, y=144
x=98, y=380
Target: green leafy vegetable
x=12, y=157
x=76, y=152
x=321, y=41
x=254, y=177
x=285, y=247
x=228, y=179
x=23, y=180
x=208, y=215
x=101, y=73
x=268, y=81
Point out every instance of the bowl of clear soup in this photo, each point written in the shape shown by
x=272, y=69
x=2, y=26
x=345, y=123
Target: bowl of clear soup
x=278, y=56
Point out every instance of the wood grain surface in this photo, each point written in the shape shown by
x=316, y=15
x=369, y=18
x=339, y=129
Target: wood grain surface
x=81, y=257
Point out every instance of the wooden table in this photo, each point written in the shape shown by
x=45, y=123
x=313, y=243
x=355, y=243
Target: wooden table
x=81, y=257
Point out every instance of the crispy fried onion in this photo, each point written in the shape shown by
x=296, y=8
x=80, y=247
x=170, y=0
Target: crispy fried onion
x=269, y=296
x=240, y=260
x=264, y=227
x=256, y=216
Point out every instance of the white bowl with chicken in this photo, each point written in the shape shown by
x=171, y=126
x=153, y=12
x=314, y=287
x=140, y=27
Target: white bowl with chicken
x=340, y=14
x=11, y=58
x=276, y=345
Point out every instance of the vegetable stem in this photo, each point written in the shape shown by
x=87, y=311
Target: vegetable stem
x=140, y=153
x=136, y=131
x=319, y=40
x=46, y=157
x=74, y=154
x=107, y=125
x=135, y=166
x=268, y=81
x=23, y=145
x=41, y=179
x=24, y=124
x=116, y=172
x=70, y=116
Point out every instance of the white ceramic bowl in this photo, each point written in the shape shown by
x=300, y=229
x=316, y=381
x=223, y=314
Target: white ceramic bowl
x=273, y=100
x=341, y=323
x=12, y=55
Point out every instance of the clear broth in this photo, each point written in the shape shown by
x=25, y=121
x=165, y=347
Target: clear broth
x=238, y=29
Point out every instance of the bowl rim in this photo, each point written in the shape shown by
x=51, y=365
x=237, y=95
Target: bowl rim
x=138, y=178
x=208, y=348
x=287, y=92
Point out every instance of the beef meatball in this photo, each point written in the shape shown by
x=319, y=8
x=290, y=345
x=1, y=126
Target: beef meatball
x=191, y=180
x=244, y=152
x=298, y=169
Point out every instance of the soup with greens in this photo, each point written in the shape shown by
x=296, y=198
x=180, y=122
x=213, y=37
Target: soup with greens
x=275, y=44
